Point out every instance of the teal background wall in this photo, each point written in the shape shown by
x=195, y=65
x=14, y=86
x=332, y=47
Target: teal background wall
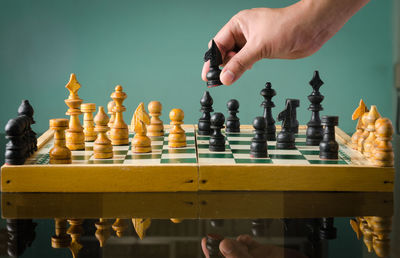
x=154, y=49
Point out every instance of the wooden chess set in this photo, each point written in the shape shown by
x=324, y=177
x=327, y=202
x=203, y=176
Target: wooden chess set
x=106, y=155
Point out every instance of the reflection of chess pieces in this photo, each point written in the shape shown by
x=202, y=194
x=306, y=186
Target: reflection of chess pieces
x=21, y=234
x=361, y=109
x=258, y=227
x=212, y=245
x=141, y=143
x=141, y=225
x=75, y=136
x=88, y=123
x=327, y=230
x=75, y=231
x=381, y=241
x=61, y=238
x=355, y=225
x=383, y=152
x=176, y=221
x=156, y=127
x=120, y=227
x=367, y=233
x=369, y=142
x=364, y=135
x=119, y=130
x=103, y=231
x=177, y=136
x=110, y=107
x=102, y=148
x=59, y=154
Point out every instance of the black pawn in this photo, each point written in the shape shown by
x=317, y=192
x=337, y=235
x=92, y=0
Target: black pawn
x=212, y=245
x=327, y=231
x=329, y=148
x=314, y=127
x=233, y=122
x=16, y=147
x=204, y=124
x=268, y=93
x=258, y=146
x=215, y=57
x=27, y=110
x=286, y=138
x=217, y=139
x=294, y=103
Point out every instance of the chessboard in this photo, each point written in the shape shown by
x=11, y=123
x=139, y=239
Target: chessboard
x=195, y=168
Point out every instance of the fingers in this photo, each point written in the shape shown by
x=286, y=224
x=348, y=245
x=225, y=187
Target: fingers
x=248, y=241
x=239, y=63
x=204, y=248
x=233, y=249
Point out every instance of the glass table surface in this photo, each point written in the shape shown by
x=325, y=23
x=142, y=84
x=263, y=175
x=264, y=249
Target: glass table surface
x=204, y=224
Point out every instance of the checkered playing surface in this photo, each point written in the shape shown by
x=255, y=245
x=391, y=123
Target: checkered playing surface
x=161, y=153
x=237, y=151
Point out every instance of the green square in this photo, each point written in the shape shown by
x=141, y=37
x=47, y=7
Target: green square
x=156, y=147
x=328, y=162
x=309, y=152
x=300, y=144
x=263, y=161
x=73, y=157
x=300, y=136
x=143, y=156
x=203, y=138
x=240, y=135
x=157, y=138
x=176, y=150
x=43, y=159
x=241, y=151
x=187, y=142
x=105, y=161
x=88, y=148
x=286, y=156
x=233, y=142
x=120, y=152
x=202, y=146
x=190, y=134
x=164, y=161
x=216, y=155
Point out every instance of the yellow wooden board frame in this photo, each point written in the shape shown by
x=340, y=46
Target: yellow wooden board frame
x=195, y=177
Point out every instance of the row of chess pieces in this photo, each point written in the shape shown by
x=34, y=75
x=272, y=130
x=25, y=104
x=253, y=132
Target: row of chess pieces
x=106, y=132
x=373, y=136
x=22, y=141
x=375, y=232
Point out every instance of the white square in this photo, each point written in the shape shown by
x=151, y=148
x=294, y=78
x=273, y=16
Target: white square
x=284, y=152
x=221, y=161
x=290, y=161
x=178, y=156
x=142, y=161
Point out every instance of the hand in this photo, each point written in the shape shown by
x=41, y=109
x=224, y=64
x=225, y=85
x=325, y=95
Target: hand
x=246, y=247
x=292, y=32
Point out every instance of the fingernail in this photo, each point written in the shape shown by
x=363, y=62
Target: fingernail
x=227, y=248
x=227, y=76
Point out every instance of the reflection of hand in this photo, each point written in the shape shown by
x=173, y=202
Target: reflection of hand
x=246, y=247
x=292, y=32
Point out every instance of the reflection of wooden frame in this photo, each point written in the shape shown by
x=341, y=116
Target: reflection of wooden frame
x=203, y=205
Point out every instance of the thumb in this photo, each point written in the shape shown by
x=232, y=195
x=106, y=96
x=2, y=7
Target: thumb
x=239, y=63
x=233, y=249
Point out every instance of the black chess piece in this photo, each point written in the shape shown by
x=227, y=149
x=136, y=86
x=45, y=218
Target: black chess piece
x=268, y=93
x=314, y=127
x=233, y=122
x=286, y=138
x=217, y=139
x=329, y=148
x=215, y=57
x=204, y=124
x=16, y=147
x=212, y=245
x=258, y=146
x=327, y=231
x=294, y=103
x=26, y=109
